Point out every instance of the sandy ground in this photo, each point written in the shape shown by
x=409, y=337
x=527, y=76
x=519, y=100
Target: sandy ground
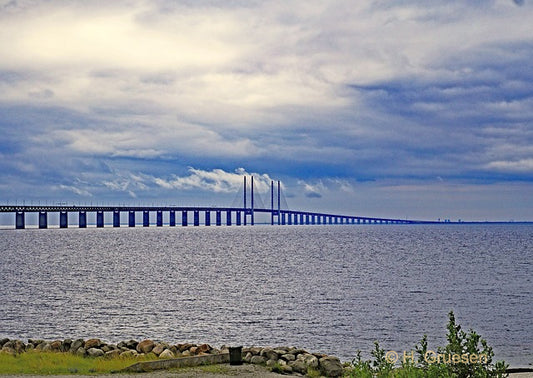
x=241, y=371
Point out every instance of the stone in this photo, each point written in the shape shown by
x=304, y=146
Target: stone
x=186, y=353
x=92, y=343
x=65, y=345
x=167, y=353
x=129, y=353
x=193, y=350
x=145, y=346
x=46, y=347
x=248, y=357
x=3, y=341
x=56, y=345
x=8, y=350
x=132, y=344
x=286, y=369
x=95, y=352
x=331, y=366
x=288, y=357
x=271, y=363
x=298, y=366
x=19, y=346
x=113, y=353
x=255, y=350
x=281, y=351
x=76, y=345
x=159, y=348
x=184, y=347
x=269, y=354
x=258, y=360
x=204, y=348
x=311, y=361
x=81, y=352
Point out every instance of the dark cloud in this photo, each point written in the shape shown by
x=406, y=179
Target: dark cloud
x=519, y=2
x=313, y=195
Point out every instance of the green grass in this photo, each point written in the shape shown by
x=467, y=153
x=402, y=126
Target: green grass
x=45, y=363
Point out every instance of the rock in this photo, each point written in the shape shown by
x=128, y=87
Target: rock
x=193, y=350
x=129, y=353
x=258, y=360
x=45, y=347
x=281, y=351
x=186, y=353
x=159, y=348
x=204, y=348
x=56, y=345
x=298, y=366
x=248, y=357
x=289, y=357
x=132, y=344
x=167, y=353
x=311, y=361
x=271, y=363
x=255, y=351
x=8, y=350
x=145, y=346
x=331, y=366
x=19, y=346
x=29, y=347
x=286, y=369
x=95, y=352
x=269, y=354
x=106, y=348
x=76, y=345
x=65, y=345
x=3, y=341
x=92, y=343
x=81, y=352
x=113, y=353
x=184, y=347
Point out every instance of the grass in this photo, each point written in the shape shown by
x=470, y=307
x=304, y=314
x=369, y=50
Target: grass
x=47, y=363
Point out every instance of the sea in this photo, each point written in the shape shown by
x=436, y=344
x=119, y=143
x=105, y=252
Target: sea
x=327, y=289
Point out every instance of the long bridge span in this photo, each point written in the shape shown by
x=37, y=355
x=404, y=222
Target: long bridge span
x=228, y=216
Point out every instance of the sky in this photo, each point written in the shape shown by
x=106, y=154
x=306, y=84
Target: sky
x=400, y=108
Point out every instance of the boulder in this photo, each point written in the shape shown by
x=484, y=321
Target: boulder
x=286, y=369
x=288, y=357
x=19, y=346
x=113, y=353
x=95, y=352
x=76, y=345
x=248, y=357
x=311, y=361
x=159, y=348
x=298, y=366
x=65, y=345
x=129, y=353
x=331, y=366
x=167, y=353
x=269, y=354
x=271, y=363
x=145, y=346
x=8, y=350
x=3, y=341
x=81, y=352
x=258, y=360
x=56, y=345
x=132, y=344
x=92, y=343
x=204, y=348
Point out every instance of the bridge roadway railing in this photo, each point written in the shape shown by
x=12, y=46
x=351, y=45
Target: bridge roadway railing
x=233, y=215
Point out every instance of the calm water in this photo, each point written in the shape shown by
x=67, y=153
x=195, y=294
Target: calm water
x=331, y=289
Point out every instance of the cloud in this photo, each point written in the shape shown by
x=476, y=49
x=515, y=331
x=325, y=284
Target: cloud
x=216, y=180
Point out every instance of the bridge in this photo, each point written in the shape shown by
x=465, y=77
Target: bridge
x=222, y=215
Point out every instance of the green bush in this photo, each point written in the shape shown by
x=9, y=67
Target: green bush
x=466, y=355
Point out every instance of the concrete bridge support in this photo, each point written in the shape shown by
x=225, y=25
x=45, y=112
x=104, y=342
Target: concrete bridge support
x=116, y=218
x=100, y=219
x=172, y=219
x=238, y=218
x=131, y=219
x=219, y=218
x=207, y=218
x=63, y=219
x=159, y=218
x=184, y=218
x=19, y=220
x=196, y=218
x=146, y=218
x=228, y=218
x=82, y=219
x=43, y=219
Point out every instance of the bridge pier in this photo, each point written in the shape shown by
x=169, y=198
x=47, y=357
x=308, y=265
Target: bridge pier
x=238, y=218
x=116, y=218
x=228, y=218
x=184, y=218
x=196, y=218
x=159, y=218
x=219, y=218
x=63, y=219
x=289, y=219
x=131, y=219
x=19, y=220
x=207, y=218
x=43, y=219
x=172, y=218
x=146, y=218
x=100, y=219
x=82, y=219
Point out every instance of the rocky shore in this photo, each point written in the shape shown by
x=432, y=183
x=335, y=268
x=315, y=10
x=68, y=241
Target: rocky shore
x=282, y=359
